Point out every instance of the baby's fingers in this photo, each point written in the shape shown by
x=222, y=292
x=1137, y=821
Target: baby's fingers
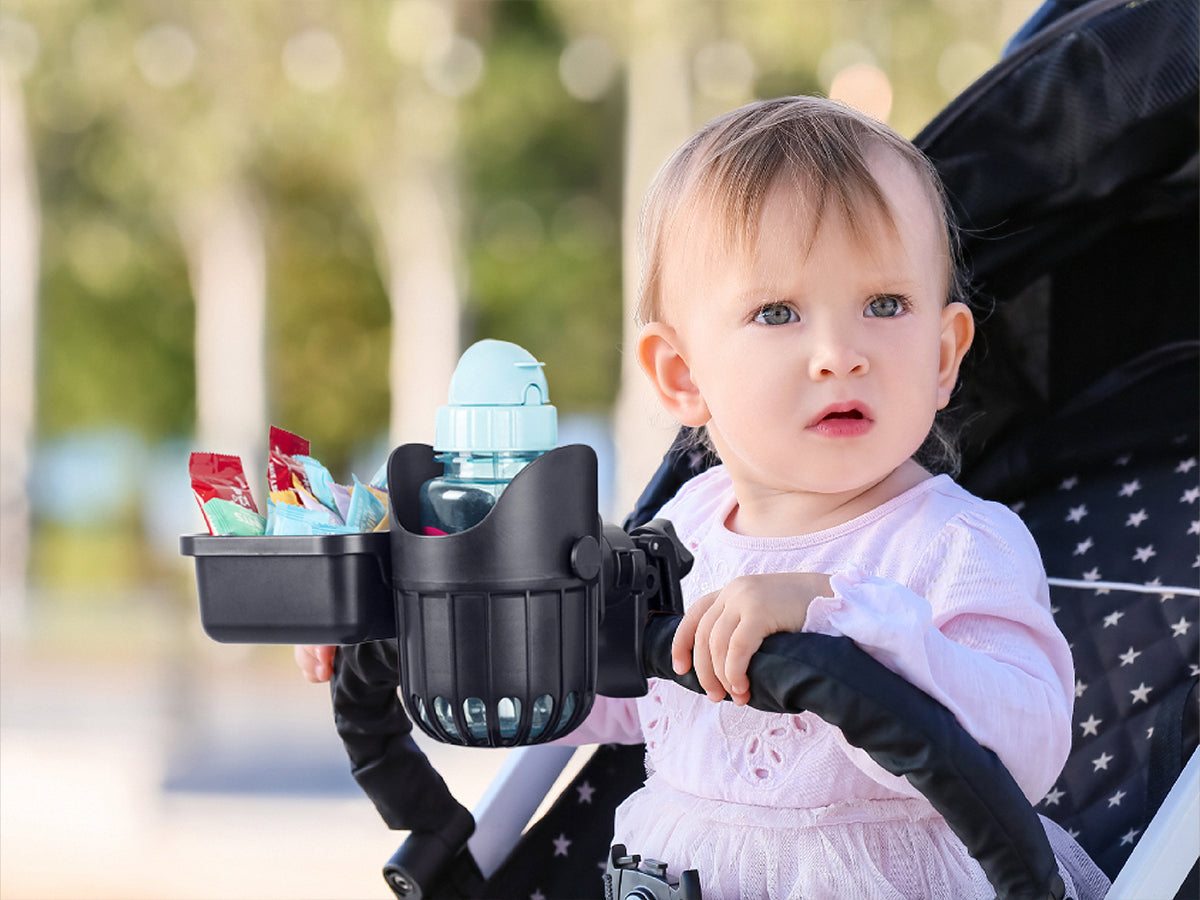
x=315, y=662
x=685, y=635
x=706, y=665
x=743, y=644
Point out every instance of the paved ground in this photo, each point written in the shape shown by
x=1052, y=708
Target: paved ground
x=183, y=770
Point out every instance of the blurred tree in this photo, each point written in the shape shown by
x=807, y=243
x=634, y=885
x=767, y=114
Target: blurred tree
x=540, y=151
x=391, y=168
x=18, y=313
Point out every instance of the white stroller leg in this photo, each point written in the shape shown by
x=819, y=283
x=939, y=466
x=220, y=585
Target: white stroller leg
x=1170, y=846
x=511, y=799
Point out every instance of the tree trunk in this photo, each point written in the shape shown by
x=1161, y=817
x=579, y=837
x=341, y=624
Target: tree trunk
x=19, y=233
x=416, y=202
x=417, y=211
x=223, y=242
x=657, y=121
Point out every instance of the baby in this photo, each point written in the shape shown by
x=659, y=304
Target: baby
x=802, y=307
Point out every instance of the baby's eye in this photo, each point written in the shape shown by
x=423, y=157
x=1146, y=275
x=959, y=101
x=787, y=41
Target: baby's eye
x=775, y=314
x=886, y=306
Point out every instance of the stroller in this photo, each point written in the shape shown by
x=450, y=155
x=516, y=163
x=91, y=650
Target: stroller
x=1073, y=164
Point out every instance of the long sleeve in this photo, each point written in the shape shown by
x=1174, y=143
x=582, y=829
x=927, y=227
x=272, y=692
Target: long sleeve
x=613, y=720
x=975, y=632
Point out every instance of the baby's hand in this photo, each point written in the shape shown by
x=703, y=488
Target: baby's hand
x=315, y=662
x=721, y=631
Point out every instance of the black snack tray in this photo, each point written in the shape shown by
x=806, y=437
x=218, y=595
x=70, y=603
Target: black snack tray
x=275, y=589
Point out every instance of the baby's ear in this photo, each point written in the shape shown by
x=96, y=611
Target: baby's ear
x=958, y=331
x=659, y=351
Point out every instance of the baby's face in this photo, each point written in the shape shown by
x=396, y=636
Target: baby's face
x=821, y=358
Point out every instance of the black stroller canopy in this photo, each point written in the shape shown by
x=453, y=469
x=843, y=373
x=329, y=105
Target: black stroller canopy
x=1072, y=166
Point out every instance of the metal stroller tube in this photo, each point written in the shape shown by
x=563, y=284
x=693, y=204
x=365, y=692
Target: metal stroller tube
x=908, y=733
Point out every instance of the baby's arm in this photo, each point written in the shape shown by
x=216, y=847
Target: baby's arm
x=613, y=720
x=315, y=662
x=979, y=638
x=722, y=630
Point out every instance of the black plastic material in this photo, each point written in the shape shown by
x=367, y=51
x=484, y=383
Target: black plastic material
x=267, y=589
x=500, y=618
x=642, y=574
x=629, y=877
x=909, y=734
x=411, y=872
x=398, y=778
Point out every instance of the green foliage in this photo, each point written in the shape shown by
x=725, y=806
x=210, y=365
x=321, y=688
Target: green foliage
x=328, y=321
x=117, y=157
x=543, y=211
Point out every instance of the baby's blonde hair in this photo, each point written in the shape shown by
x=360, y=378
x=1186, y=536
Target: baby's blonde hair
x=723, y=173
x=726, y=169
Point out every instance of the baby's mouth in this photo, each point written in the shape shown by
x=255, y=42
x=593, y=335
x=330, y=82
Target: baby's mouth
x=842, y=420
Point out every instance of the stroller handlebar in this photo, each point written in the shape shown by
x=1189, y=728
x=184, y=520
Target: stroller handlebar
x=904, y=730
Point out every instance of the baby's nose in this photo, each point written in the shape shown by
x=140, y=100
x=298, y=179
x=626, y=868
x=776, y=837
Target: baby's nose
x=836, y=355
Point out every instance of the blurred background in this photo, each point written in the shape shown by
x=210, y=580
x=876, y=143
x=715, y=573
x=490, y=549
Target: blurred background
x=217, y=215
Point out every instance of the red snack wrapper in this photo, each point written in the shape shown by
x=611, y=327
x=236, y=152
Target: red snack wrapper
x=219, y=475
x=281, y=467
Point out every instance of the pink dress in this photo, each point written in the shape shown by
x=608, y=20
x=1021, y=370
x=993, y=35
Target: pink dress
x=941, y=587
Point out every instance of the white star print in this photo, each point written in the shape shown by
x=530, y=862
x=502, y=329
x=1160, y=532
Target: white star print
x=1083, y=547
x=1129, y=836
x=537, y=895
x=1113, y=618
x=585, y=792
x=1194, y=670
x=1129, y=488
x=1074, y=833
x=1141, y=694
x=560, y=845
x=1194, y=528
x=1092, y=575
x=1018, y=506
x=1180, y=628
x=1150, y=732
x=1080, y=687
x=1136, y=519
x=1129, y=656
x=1069, y=483
x=1091, y=725
x=1115, y=799
x=1186, y=466
x=1077, y=513
x=1145, y=553
x=1122, y=460
x=1101, y=762
x=1052, y=798
x=1190, y=496
x=1157, y=582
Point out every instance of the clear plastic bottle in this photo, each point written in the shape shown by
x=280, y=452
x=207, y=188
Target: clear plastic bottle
x=498, y=420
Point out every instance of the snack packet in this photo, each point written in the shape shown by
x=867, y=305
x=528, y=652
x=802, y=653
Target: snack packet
x=226, y=517
x=284, y=470
x=379, y=480
x=320, y=481
x=298, y=520
x=219, y=476
x=367, y=510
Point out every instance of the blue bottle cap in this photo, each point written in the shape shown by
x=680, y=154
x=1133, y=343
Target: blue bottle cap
x=499, y=401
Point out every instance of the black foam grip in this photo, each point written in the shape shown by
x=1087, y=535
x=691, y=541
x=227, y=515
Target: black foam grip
x=908, y=733
x=387, y=764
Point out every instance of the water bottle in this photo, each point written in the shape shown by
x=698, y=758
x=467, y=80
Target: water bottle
x=498, y=420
